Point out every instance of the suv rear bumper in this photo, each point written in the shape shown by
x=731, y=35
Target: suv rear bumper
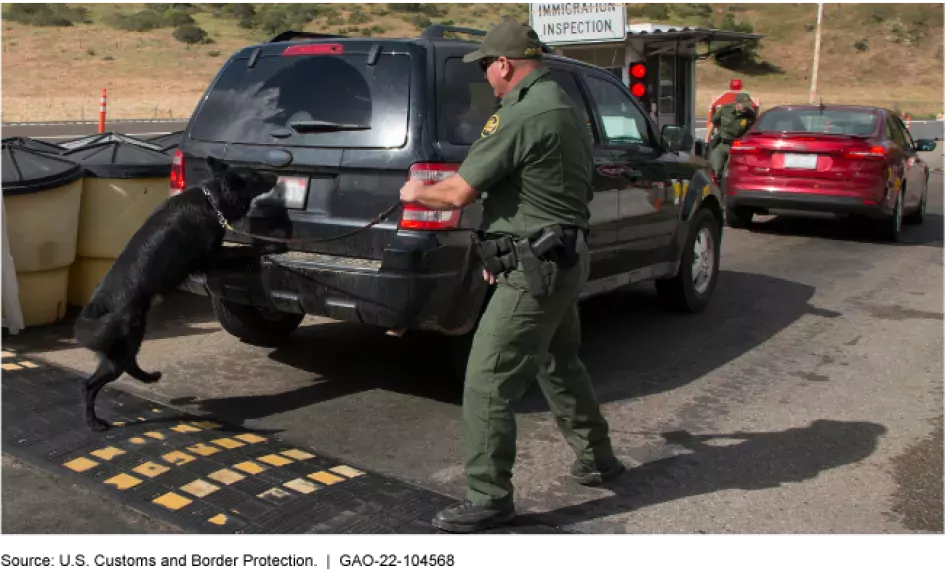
x=356, y=290
x=845, y=205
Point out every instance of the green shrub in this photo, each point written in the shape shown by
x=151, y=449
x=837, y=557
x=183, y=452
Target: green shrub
x=191, y=35
x=861, y=45
x=46, y=14
x=213, y=53
x=176, y=17
x=142, y=21
x=358, y=17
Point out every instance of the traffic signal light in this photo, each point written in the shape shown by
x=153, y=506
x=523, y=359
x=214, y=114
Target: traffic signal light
x=638, y=80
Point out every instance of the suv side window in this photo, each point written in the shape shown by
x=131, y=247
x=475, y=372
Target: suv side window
x=566, y=81
x=623, y=122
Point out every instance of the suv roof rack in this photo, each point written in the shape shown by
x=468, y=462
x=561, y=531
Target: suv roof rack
x=438, y=30
x=294, y=34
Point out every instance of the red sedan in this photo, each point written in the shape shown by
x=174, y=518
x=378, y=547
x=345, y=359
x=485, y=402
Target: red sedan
x=842, y=160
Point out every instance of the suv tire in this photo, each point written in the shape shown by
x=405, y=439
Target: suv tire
x=255, y=325
x=684, y=292
x=738, y=217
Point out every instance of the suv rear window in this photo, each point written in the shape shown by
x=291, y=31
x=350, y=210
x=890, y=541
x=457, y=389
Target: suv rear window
x=466, y=100
x=828, y=121
x=247, y=104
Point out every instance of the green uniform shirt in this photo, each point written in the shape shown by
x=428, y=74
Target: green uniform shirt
x=732, y=124
x=534, y=160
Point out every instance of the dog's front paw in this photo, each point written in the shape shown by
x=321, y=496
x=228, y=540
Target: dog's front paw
x=153, y=377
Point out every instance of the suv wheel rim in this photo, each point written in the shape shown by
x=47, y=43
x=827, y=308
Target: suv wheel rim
x=703, y=260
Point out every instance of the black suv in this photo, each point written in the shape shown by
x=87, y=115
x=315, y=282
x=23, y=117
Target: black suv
x=345, y=121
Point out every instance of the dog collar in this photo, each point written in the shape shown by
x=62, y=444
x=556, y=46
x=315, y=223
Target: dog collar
x=213, y=204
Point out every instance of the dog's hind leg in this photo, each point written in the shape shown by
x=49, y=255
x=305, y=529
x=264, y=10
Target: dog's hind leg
x=106, y=372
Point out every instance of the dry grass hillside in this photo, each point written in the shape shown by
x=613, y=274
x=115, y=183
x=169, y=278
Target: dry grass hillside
x=889, y=55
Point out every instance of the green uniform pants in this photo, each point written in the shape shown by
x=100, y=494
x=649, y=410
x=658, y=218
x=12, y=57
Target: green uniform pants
x=519, y=339
x=719, y=158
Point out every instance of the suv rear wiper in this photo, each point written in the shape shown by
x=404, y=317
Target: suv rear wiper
x=314, y=125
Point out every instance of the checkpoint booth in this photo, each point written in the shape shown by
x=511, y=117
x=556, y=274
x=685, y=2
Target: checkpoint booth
x=657, y=62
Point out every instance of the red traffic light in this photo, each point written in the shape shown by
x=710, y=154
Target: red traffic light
x=638, y=89
x=638, y=71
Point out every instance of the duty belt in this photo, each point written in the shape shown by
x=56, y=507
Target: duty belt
x=541, y=255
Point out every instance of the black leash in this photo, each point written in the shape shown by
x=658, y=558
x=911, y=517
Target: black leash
x=226, y=225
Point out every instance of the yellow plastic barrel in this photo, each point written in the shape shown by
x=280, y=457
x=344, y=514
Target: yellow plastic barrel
x=42, y=193
x=125, y=180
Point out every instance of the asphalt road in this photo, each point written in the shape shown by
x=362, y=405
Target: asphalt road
x=807, y=399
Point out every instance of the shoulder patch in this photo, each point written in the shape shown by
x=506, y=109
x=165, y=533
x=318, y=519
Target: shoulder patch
x=490, y=126
x=744, y=122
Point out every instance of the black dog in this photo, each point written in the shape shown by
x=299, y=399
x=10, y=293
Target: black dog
x=177, y=239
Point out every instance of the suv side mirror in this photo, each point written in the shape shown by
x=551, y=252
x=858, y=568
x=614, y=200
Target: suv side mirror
x=675, y=138
x=925, y=145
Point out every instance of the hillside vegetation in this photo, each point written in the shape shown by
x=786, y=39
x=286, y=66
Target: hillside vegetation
x=156, y=59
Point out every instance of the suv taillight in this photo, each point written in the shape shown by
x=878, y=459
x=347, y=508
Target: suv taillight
x=419, y=217
x=177, y=173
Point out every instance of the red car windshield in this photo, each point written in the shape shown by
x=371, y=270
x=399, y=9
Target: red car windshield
x=827, y=121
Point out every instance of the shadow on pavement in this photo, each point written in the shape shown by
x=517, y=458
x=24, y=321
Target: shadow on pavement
x=929, y=233
x=632, y=347
x=760, y=461
x=178, y=315
x=348, y=358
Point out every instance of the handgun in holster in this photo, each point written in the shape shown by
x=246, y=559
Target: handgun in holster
x=539, y=256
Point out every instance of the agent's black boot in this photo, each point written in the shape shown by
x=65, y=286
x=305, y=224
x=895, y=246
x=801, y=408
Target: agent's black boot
x=467, y=517
x=593, y=474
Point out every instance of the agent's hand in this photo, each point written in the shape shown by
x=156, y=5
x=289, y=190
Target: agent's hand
x=488, y=277
x=411, y=190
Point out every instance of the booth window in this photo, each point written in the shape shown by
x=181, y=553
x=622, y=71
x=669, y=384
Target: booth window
x=624, y=123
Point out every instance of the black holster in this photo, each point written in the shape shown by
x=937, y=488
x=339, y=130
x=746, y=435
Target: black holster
x=540, y=256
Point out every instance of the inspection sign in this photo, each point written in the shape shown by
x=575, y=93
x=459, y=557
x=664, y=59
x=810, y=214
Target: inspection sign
x=577, y=23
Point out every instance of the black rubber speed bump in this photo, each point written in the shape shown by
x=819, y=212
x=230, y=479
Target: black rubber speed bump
x=199, y=474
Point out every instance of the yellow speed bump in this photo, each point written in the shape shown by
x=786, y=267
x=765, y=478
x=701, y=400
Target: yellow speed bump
x=275, y=460
x=108, y=453
x=150, y=469
x=325, y=477
x=250, y=438
x=123, y=481
x=228, y=443
x=199, y=488
x=80, y=464
x=347, y=471
x=249, y=467
x=297, y=455
x=226, y=476
x=178, y=458
x=204, y=450
x=172, y=501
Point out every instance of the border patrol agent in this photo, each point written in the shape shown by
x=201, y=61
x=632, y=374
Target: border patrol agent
x=534, y=160
x=733, y=121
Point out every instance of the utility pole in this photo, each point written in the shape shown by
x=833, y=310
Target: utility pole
x=813, y=77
